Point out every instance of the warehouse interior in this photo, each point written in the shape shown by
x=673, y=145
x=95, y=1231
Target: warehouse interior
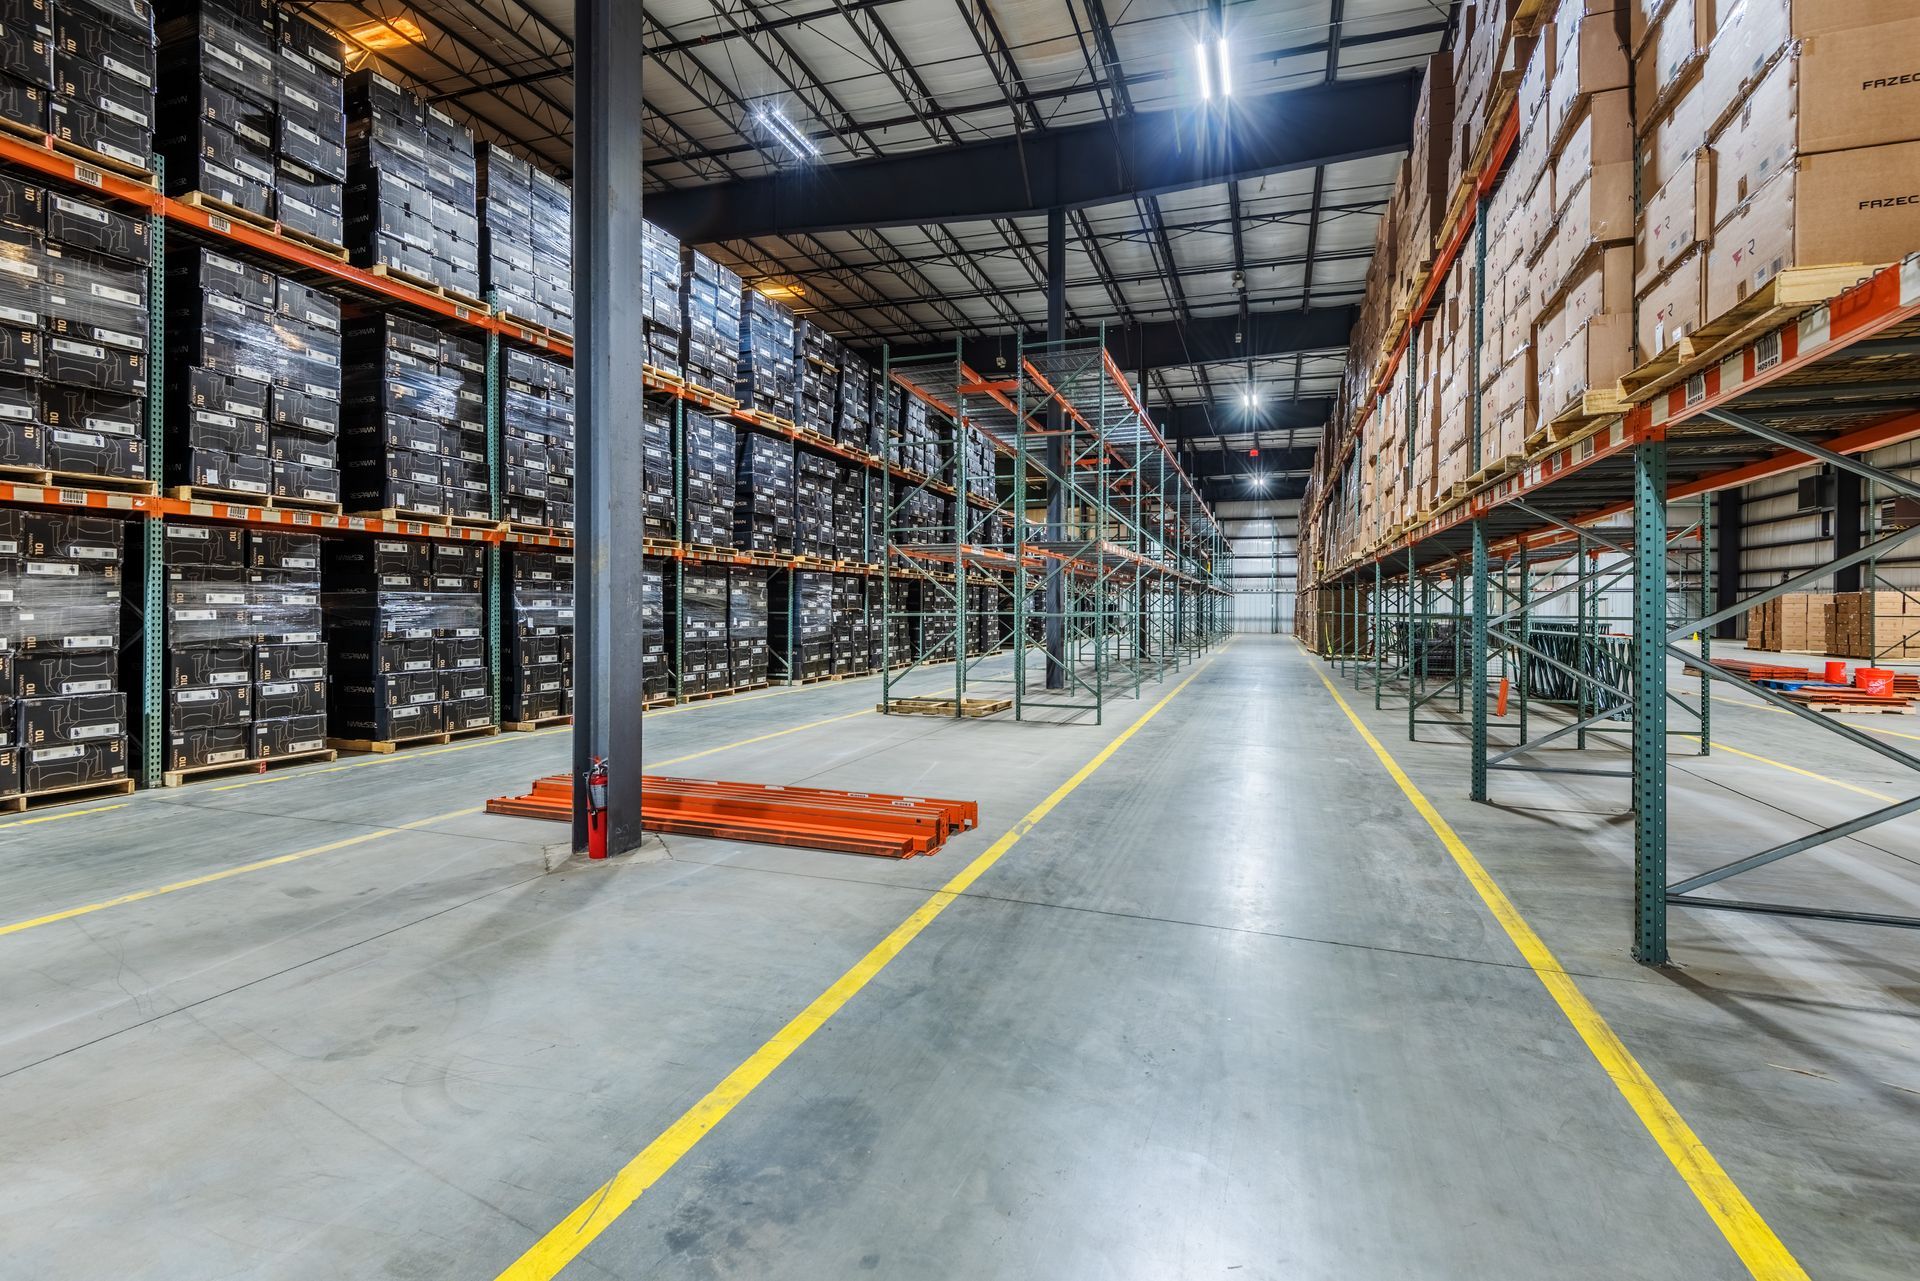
x=1018, y=637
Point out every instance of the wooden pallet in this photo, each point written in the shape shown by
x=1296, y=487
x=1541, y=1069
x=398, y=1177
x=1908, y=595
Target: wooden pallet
x=548, y=332
x=76, y=480
x=433, y=287
x=1498, y=467
x=407, y=513
x=386, y=745
x=1793, y=291
x=718, y=398
x=660, y=375
x=252, y=765
x=761, y=418
x=20, y=801
x=706, y=694
x=85, y=155
x=970, y=708
x=486, y=524
x=540, y=531
x=1595, y=405
x=1865, y=704
x=236, y=498
x=216, y=207
x=656, y=701
x=527, y=727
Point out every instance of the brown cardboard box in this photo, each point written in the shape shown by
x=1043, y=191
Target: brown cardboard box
x=1593, y=358
x=1599, y=283
x=1753, y=34
x=1536, y=220
x=1598, y=212
x=1837, y=207
x=1672, y=307
x=1603, y=135
x=1591, y=58
x=1643, y=16
x=1668, y=142
x=1536, y=72
x=1673, y=56
x=1675, y=221
x=1840, y=91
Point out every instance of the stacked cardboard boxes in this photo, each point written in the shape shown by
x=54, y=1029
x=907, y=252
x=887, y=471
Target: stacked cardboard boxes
x=662, y=311
x=62, y=719
x=660, y=520
x=536, y=443
x=707, y=470
x=537, y=677
x=253, y=401
x=711, y=338
x=97, y=58
x=767, y=375
x=854, y=426
x=697, y=623
x=1876, y=626
x=415, y=422
x=800, y=607
x=526, y=239
x=814, y=478
x=817, y=360
x=747, y=626
x=406, y=639
x=656, y=673
x=412, y=186
x=763, y=514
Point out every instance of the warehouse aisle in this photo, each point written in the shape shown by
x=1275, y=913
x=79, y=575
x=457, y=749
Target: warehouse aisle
x=1227, y=1008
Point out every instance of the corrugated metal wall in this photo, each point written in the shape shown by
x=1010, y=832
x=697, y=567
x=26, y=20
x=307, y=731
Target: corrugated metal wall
x=1264, y=567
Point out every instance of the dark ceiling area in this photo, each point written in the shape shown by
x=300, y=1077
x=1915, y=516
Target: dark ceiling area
x=890, y=165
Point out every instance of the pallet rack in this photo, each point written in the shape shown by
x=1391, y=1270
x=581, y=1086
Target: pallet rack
x=1816, y=383
x=1125, y=566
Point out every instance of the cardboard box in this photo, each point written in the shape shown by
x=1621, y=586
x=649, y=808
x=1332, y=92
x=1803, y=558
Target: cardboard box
x=1600, y=283
x=1838, y=207
x=1674, y=54
x=1675, y=221
x=1593, y=357
x=1672, y=307
x=1601, y=135
x=1840, y=91
x=1751, y=37
x=1591, y=58
x=1598, y=212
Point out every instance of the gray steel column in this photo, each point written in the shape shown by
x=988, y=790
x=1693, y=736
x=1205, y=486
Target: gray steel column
x=1846, y=528
x=1056, y=622
x=608, y=353
x=1728, y=536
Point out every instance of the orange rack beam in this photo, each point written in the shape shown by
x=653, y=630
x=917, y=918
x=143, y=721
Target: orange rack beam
x=875, y=823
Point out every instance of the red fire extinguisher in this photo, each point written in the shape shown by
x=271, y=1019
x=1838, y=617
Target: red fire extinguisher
x=597, y=808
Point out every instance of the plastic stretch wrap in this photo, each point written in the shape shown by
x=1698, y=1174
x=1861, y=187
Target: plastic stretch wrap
x=406, y=614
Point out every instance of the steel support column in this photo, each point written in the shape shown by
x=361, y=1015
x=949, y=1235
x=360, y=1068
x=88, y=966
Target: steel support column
x=1056, y=458
x=1728, y=537
x=610, y=514
x=1650, y=703
x=1846, y=528
x=1477, y=655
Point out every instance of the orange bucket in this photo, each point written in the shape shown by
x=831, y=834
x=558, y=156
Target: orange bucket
x=1873, y=680
x=1836, y=672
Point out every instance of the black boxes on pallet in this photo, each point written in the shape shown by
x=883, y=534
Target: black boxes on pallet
x=62, y=721
x=656, y=676
x=813, y=482
x=414, y=412
x=747, y=627
x=537, y=677
x=710, y=322
x=536, y=440
x=800, y=614
x=103, y=72
x=697, y=625
x=412, y=182
x=853, y=426
x=662, y=315
x=765, y=381
x=763, y=492
x=405, y=624
x=708, y=480
x=656, y=470
x=817, y=358
x=526, y=240
x=253, y=380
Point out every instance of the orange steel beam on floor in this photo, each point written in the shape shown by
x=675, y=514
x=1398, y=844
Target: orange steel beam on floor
x=876, y=823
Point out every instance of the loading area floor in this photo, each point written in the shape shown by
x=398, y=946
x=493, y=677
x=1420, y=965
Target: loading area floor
x=1228, y=1007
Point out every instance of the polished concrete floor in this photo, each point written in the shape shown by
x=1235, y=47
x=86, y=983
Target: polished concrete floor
x=1229, y=1009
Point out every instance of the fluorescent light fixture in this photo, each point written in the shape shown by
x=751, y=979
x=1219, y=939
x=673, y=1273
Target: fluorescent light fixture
x=1250, y=399
x=1226, y=73
x=778, y=292
x=788, y=135
x=387, y=33
x=1259, y=480
x=1206, y=72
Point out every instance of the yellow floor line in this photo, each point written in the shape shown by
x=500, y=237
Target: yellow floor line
x=69, y=913
x=54, y=818
x=1780, y=711
x=610, y=1200
x=280, y=860
x=1763, y=1253
x=1719, y=746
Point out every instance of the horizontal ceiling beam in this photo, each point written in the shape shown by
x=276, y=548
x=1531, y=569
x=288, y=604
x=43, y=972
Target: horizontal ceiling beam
x=1204, y=340
x=1234, y=419
x=1149, y=153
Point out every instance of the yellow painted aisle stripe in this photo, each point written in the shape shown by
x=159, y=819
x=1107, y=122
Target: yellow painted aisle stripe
x=63, y=814
x=227, y=873
x=616, y=1196
x=746, y=742
x=1719, y=746
x=1751, y=1238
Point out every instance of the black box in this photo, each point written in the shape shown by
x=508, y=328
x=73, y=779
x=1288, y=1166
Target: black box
x=9, y=771
x=272, y=549
x=85, y=125
x=276, y=700
x=468, y=713
x=92, y=453
x=72, y=764
x=22, y=444
x=290, y=662
x=214, y=432
x=23, y=204
x=85, y=409
x=203, y=545
x=223, y=393
x=26, y=41
x=51, y=675
x=298, y=480
x=196, y=269
x=289, y=736
x=96, y=366
x=290, y=408
x=223, y=744
x=206, y=706
x=82, y=224
x=250, y=474
x=225, y=665
x=368, y=721
x=21, y=351
x=71, y=718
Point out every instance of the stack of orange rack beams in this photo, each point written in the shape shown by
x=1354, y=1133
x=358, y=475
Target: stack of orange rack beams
x=769, y=814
